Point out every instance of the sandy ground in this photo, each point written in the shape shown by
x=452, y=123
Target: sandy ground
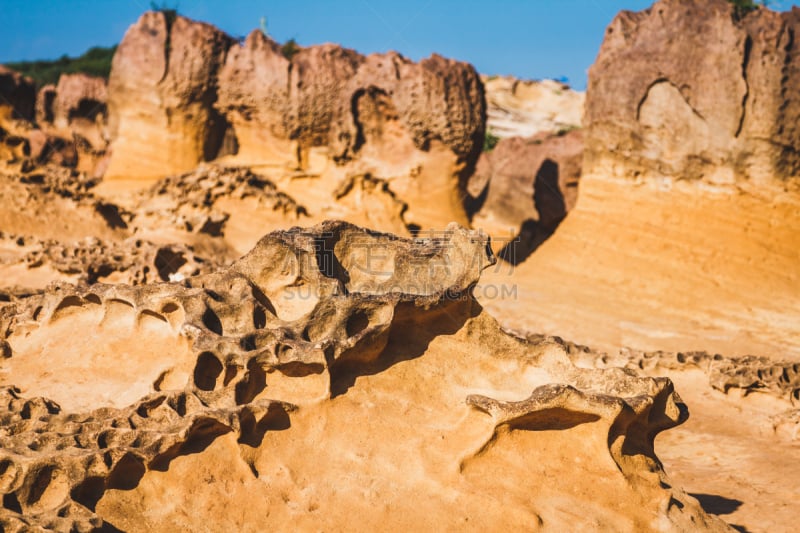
x=727, y=457
x=640, y=266
x=656, y=269
x=681, y=269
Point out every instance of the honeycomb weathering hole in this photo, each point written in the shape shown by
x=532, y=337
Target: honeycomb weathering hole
x=212, y=322
x=356, y=323
x=48, y=490
x=207, y=371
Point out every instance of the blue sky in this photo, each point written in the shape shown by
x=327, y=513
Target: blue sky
x=525, y=38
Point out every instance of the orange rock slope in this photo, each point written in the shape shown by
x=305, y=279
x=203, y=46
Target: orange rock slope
x=174, y=357
x=314, y=392
x=685, y=237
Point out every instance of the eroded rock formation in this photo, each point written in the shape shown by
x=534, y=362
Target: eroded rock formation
x=133, y=261
x=328, y=96
x=65, y=126
x=19, y=95
x=162, y=86
x=523, y=108
x=184, y=93
x=17, y=100
x=695, y=89
x=525, y=187
x=76, y=109
x=190, y=202
x=360, y=350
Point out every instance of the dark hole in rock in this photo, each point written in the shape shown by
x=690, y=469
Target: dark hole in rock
x=168, y=262
x=89, y=492
x=206, y=371
x=126, y=473
x=88, y=108
x=356, y=323
x=111, y=215
x=11, y=503
x=253, y=383
x=211, y=321
x=259, y=317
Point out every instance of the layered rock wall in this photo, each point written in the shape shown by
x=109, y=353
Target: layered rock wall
x=186, y=92
x=696, y=89
x=161, y=90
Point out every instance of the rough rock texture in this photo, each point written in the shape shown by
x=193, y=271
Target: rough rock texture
x=65, y=127
x=17, y=96
x=325, y=96
x=45, y=103
x=361, y=350
x=749, y=373
x=52, y=202
x=43, y=147
x=75, y=109
x=523, y=108
x=526, y=187
x=688, y=89
x=161, y=89
x=132, y=261
x=188, y=201
x=331, y=96
x=79, y=97
x=187, y=93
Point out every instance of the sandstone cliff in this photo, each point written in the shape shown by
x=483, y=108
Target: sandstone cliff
x=160, y=95
x=17, y=100
x=64, y=125
x=693, y=89
x=677, y=266
x=185, y=93
x=522, y=108
x=526, y=186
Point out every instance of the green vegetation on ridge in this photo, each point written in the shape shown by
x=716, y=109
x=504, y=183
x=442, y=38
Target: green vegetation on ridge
x=96, y=61
x=743, y=7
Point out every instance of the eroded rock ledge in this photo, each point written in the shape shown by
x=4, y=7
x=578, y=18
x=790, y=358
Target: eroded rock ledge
x=695, y=89
x=335, y=341
x=198, y=95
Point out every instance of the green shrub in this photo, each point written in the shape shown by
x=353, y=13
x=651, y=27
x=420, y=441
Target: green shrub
x=566, y=129
x=490, y=140
x=289, y=49
x=743, y=7
x=95, y=61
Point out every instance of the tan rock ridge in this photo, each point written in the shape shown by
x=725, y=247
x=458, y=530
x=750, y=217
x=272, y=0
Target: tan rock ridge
x=186, y=93
x=683, y=240
x=67, y=219
x=418, y=409
x=56, y=203
x=525, y=187
x=66, y=126
x=76, y=110
x=741, y=406
x=523, y=108
x=133, y=261
x=203, y=202
x=693, y=90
